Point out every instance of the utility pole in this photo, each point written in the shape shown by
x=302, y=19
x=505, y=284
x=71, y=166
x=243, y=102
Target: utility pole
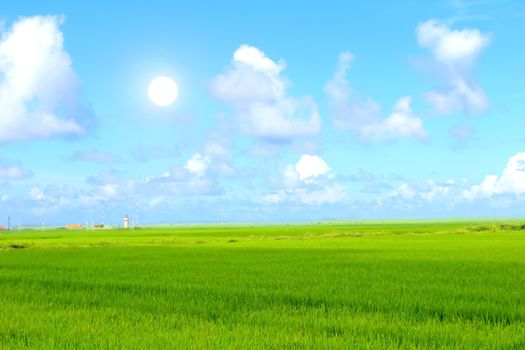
x=8, y=222
x=137, y=213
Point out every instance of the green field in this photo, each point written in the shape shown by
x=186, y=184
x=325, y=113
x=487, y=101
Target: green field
x=343, y=285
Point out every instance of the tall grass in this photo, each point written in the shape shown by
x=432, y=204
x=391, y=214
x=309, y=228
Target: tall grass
x=418, y=285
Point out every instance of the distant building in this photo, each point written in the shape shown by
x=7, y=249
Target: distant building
x=3, y=228
x=126, y=221
x=99, y=225
x=73, y=226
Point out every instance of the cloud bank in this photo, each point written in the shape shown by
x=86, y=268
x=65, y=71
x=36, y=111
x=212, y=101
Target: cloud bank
x=456, y=51
x=510, y=182
x=253, y=85
x=38, y=86
x=309, y=181
x=350, y=112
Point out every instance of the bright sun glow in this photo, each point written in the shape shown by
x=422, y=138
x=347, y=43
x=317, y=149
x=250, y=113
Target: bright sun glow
x=163, y=91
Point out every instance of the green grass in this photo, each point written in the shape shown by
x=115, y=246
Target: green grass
x=343, y=285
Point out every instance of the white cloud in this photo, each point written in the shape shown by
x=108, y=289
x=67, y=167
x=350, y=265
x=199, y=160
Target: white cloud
x=404, y=191
x=37, y=81
x=351, y=112
x=410, y=195
x=310, y=166
x=36, y=193
x=427, y=191
x=254, y=87
x=112, y=190
x=252, y=78
x=14, y=172
x=437, y=190
x=105, y=188
x=327, y=195
x=308, y=182
x=200, y=175
x=221, y=161
x=197, y=164
x=348, y=111
x=451, y=46
x=457, y=50
x=459, y=96
x=308, y=169
x=255, y=58
x=291, y=178
x=400, y=123
x=339, y=88
x=510, y=182
x=195, y=179
x=109, y=190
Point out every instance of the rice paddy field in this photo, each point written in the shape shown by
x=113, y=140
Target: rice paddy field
x=408, y=285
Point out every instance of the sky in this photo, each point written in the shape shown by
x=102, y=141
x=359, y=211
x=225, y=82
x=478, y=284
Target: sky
x=286, y=112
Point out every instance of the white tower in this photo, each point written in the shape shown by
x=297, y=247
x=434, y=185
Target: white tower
x=126, y=221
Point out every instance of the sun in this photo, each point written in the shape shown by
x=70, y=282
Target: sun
x=163, y=91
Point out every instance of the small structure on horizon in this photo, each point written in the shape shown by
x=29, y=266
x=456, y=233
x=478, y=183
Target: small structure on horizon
x=126, y=221
x=3, y=228
x=99, y=226
x=74, y=226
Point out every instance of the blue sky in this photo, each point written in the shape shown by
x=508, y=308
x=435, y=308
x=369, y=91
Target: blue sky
x=285, y=112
